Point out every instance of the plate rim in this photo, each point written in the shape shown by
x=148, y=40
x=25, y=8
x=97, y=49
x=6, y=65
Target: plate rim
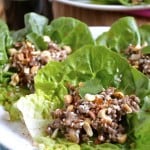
x=103, y=7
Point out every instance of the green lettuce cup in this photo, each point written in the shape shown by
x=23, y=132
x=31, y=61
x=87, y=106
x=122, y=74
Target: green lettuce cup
x=129, y=40
x=98, y=68
x=25, y=51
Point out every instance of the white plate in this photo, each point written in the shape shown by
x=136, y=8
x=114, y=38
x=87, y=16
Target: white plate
x=96, y=31
x=87, y=4
x=14, y=135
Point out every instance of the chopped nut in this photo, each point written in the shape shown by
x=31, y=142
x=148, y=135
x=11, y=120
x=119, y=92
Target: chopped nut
x=26, y=70
x=135, y=57
x=122, y=138
x=81, y=84
x=54, y=134
x=20, y=56
x=29, y=44
x=88, y=120
x=45, y=56
x=68, y=49
x=102, y=114
x=35, y=53
x=89, y=97
x=101, y=138
x=68, y=99
x=12, y=51
x=70, y=108
x=118, y=94
x=14, y=79
x=34, y=70
x=137, y=47
x=127, y=108
x=88, y=129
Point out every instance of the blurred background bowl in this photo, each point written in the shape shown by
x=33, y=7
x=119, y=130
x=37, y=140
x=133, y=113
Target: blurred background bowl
x=103, y=15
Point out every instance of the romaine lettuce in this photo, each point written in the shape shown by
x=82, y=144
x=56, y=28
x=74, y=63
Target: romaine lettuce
x=121, y=34
x=63, y=30
x=5, y=41
x=145, y=32
x=69, y=31
x=124, y=33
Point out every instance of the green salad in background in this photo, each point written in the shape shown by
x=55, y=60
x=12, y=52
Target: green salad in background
x=124, y=2
x=25, y=51
x=116, y=2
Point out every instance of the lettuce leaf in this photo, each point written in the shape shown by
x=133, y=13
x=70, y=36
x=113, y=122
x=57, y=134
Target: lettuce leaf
x=69, y=31
x=5, y=41
x=35, y=23
x=95, y=62
x=8, y=96
x=121, y=34
x=45, y=143
x=35, y=112
x=124, y=32
x=64, y=30
x=33, y=30
x=89, y=65
x=145, y=32
x=105, y=146
x=140, y=124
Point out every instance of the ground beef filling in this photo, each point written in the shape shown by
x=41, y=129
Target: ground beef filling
x=95, y=117
x=138, y=60
x=135, y=2
x=26, y=61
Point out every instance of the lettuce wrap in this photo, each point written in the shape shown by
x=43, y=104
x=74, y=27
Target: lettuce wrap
x=63, y=31
x=97, y=67
x=125, y=33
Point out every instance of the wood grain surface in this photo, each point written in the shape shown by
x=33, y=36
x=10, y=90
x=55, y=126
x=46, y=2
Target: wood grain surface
x=92, y=17
x=2, y=11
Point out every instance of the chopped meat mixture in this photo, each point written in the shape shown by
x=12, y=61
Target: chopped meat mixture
x=135, y=2
x=26, y=60
x=139, y=60
x=95, y=117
